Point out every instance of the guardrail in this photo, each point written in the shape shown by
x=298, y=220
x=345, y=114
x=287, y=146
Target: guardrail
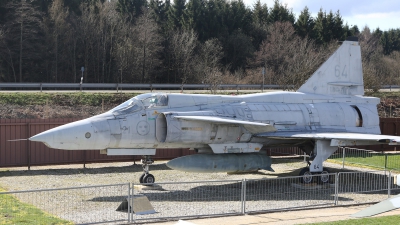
x=116, y=86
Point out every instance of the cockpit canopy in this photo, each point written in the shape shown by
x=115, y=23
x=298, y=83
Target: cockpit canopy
x=140, y=102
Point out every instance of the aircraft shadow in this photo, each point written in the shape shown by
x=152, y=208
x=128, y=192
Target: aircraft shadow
x=256, y=190
x=71, y=171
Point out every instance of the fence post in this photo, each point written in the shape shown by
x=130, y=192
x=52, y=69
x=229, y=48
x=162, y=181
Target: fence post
x=29, y=145
x=336, y=188
x=129, y=203
x=344, y=152
x=389, y=184
x=386, y=158
x=243, y=196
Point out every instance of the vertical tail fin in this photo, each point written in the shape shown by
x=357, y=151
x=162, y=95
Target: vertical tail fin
x=341, y=74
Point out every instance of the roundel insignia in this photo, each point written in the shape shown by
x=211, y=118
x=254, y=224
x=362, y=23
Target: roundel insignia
x=143, y=128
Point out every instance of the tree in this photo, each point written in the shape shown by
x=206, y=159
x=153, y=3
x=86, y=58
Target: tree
x=260, y=13
x=57, y=15
x=390, y=41
x=238, y=49
x=148, y=43
x=132, y=8
x=176, y=14
x=280, y=13
x=371, y=53
x=209, y=64
x=23, y=40
x=338, y=33
x=182, y=48
x=305, y=24
x=288, y=58
x=195, y=18
x=238, y=17
x=158, y=11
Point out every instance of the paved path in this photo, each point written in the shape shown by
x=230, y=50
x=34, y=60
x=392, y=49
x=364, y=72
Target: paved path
x=282, y=218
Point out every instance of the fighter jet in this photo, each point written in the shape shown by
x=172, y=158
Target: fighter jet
x=229, y=132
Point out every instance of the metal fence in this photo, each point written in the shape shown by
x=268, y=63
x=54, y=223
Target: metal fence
x=355, y=156
x=197, y=199
x=173, y=200
x=80, y=205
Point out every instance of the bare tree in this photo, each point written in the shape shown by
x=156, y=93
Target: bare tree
x=58, y=15
x=182, y=47
x=393, y=64
x=7, y=55
x=124, y=51
x=148, y=43
x=371, y=52
x=109, y=23
x=209, y=64
x=288, y=59
x=22, y=39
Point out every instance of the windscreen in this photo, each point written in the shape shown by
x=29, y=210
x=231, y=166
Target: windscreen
x=139, y=102
x=132, y=105
x=153, y=100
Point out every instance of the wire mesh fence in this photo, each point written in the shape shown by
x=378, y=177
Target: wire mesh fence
x=192, y=199
x=287, y=193
x=98, y=204
x=78, y=205
x=365, y=187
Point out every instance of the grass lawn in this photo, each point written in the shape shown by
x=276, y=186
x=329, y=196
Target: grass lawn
x=12, y=211
x=371, y=160
x=365, y=221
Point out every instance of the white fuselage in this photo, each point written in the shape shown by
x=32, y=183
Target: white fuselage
x=154, y=126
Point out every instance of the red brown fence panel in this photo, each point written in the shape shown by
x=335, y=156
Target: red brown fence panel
x=15, y=152
x=27, y=153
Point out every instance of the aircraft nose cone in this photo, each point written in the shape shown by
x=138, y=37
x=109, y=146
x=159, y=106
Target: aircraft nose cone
x=42, y=137
x=79, y=135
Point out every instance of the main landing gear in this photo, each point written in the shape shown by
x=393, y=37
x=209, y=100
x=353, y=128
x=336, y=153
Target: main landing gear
x=307, y=176
x=146, y=177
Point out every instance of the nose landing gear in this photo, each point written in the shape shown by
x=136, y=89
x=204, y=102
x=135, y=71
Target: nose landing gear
x=146, y=177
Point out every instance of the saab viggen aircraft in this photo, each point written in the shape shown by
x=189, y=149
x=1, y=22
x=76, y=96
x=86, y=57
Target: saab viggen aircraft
x=229, y=132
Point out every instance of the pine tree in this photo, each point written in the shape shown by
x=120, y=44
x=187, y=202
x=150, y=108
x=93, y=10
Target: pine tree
x=195, y=18
x=176, y=14
x=260, y=13
x=305, y=24
x=280, y=13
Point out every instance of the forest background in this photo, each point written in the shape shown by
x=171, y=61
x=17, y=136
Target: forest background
x=194, y=41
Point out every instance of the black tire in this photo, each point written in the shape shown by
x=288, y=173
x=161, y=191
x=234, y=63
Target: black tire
x=325, y=178
x=148, y=179
x=141, y=178
x=307, y=177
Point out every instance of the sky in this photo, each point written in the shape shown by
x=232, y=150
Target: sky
x=384, y=14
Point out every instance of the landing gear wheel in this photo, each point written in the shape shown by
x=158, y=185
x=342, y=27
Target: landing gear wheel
x=141, y=178
x=325, y=177
x=148, y=179
x=307, y=177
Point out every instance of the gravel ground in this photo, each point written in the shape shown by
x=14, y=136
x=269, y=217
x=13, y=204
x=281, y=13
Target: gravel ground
x=86, y=205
